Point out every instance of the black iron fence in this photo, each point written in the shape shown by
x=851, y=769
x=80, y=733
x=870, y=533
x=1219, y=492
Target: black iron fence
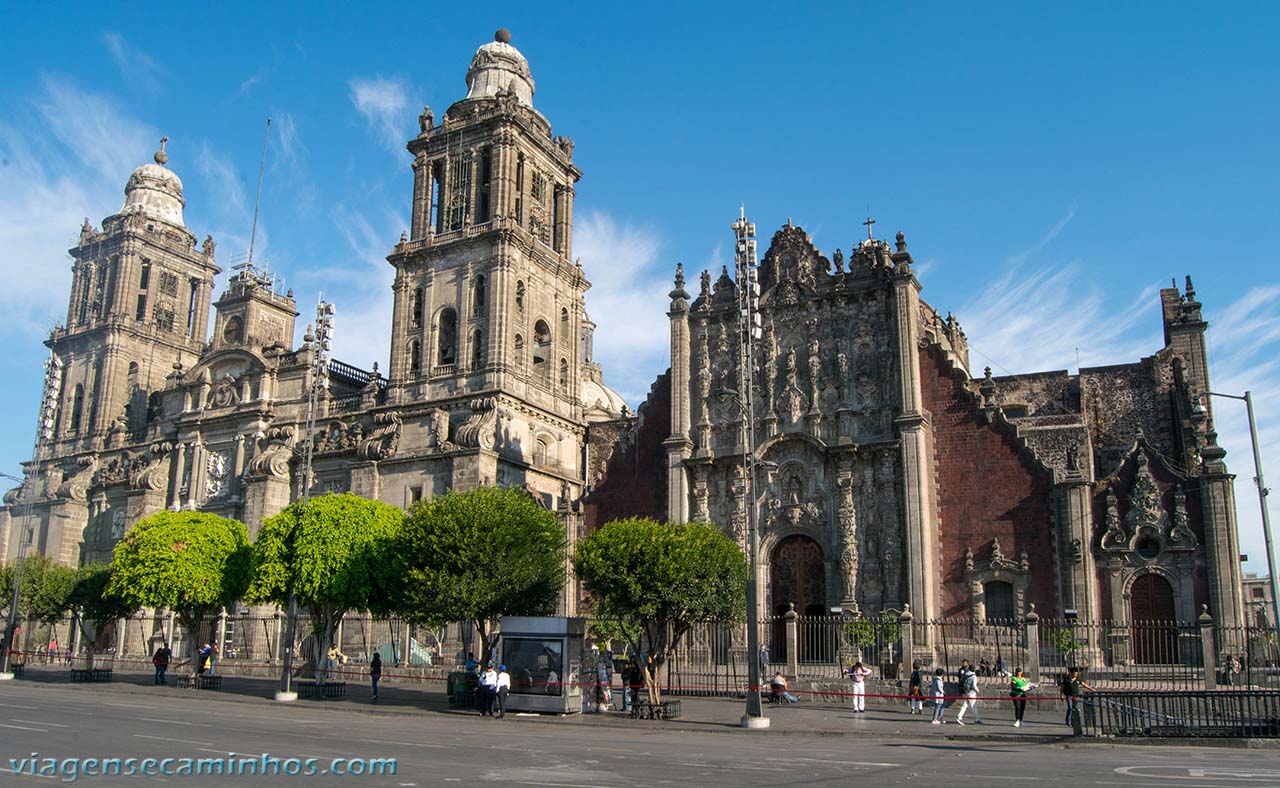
x=1249, y=714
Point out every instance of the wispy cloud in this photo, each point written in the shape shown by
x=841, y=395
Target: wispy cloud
x=138, y=69
x=384, y=103
x=629, y=290
x=291, y=147
x=49, y=185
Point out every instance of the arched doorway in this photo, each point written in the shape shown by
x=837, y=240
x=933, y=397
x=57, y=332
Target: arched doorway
x=798, y=575
x=1153, y=615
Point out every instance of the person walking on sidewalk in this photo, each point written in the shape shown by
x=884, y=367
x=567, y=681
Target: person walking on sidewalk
x=1071, y=691
x=858, y=674
x=1019, y=686
x=969, y=689
x=938, y=689
x=915, y=690
x=161, y=660
x=502, y=688
x=375, y=673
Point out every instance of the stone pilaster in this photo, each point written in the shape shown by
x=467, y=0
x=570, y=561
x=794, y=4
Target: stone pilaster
x=678, y=446
x=1222, y=546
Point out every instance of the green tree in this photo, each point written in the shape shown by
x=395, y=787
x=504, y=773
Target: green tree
x=657, y=580
x=477, y=556
x=95, y=608
x=45, y=586
x=194, y=563
x=334, y=553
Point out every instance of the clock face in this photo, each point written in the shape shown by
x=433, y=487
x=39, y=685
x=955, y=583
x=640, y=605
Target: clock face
x=233, y=331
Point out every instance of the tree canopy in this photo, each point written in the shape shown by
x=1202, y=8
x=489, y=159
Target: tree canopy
x=96, y=608
x=333, y=552
x=192, y=562
x=656, y=580
x=479, y=555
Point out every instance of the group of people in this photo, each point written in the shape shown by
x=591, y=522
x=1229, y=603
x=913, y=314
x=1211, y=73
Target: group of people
x=163, y=657
x=53, y=654
x=1071, y=687
x=491, y=691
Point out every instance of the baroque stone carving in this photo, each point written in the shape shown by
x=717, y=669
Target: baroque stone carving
x=224, y=393
x=76, y=486
x=149, y=473
x=438, y=430
x=478, y=431
x=217, y=473
x=383, y=440
x=273, y=456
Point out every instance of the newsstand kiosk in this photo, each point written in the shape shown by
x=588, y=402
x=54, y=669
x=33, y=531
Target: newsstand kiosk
x=544, y=657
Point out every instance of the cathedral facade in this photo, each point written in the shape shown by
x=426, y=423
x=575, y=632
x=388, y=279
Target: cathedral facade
x=491, y=379
x=888, y=474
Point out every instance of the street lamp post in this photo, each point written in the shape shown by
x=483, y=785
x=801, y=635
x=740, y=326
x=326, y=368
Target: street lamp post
x=320, y=338
x=44, y=432
x=746, y=269
x=1263, y=492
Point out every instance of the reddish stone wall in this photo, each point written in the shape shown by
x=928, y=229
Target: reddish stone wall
x=986, y=488
x=634, y=483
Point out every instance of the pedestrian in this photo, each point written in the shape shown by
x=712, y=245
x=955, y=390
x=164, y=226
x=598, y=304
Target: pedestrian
x=1231, y=671
x=1071, y=692
x=915, y=690
x=161, y=660
x=503, y=687
x=964, y=668
x=969, y=689
x=1001, y=669
x=53, y=651
x=858, y=674
x=69, y=656
x=471, y=665
x=938, y=689
x=604, y=680
x=635, y=680
x=202, y=658
x=375, y=673
x=1019, y=686
x=486, y=690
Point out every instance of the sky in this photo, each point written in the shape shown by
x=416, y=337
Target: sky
x=1051, y=166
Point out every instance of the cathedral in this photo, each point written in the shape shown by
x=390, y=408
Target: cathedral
x=886, y=474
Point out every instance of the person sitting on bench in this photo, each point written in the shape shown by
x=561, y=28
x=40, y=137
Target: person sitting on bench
x=778, y=686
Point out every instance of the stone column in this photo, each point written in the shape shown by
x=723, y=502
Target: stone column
x=179, y=469
x=793, y=643
x=906, y=626
x=222, y=630
x=1207, y=651
x=406, y=652
x=914, y=430
x=1221, y=541
x=678, y=445
x=1032, y=624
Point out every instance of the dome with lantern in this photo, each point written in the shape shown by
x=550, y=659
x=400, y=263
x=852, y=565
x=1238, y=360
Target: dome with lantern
x=499, y=67
x=155, y=191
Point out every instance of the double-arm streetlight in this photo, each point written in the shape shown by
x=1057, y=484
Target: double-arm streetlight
x=319, y=338
x=44, y=432
x=1263, y=492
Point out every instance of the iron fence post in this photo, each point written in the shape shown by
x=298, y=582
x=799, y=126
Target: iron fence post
x=1032, y=624
x=1207, y=650
x=793, y=642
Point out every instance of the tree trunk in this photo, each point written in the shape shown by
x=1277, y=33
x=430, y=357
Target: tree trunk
x=192, y=622
x=486, y=644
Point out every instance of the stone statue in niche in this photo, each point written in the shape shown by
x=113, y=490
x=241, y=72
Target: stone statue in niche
x=815, y=374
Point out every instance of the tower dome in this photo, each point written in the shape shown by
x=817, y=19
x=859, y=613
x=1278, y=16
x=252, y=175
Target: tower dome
x=154, y=191
x=498, y=66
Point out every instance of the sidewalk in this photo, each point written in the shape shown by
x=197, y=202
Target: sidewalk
x=699, y=714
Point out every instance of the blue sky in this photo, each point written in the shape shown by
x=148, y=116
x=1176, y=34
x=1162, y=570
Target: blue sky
x=1051, y=167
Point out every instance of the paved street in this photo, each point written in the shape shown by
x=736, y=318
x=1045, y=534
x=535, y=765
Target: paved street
x=435, y=748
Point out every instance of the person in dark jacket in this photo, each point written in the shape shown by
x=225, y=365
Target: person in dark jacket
x=375, y=673
x=915, y=690
x=161, y=660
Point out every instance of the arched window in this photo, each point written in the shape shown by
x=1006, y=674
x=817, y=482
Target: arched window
x=477, y=350
x=564, y=374
x=540, y=452
x=77, y=410
x=415, y=358
x=447, y=337
x=133, y=375
x=519, y=296
x=415, y=309
x=519, y=351
x=564, y=322
x=477, y=295
x=542, y=353
x=997, y=598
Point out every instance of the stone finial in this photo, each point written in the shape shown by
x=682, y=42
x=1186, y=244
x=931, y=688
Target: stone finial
x=986, y=373
x=404, y=236
x=160, y=156
x=502, y=36
x=1191, y=290
x=680, y=275
x=1032, y=615
x=900, y=241
x=1205, y=619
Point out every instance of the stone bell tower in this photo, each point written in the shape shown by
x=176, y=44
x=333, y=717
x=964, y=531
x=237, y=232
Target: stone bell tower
x=139, y=303
x=487, y=294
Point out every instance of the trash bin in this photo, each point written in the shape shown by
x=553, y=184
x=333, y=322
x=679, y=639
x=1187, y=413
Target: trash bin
x=461, y=686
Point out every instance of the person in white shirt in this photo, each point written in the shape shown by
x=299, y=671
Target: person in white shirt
x=969, y=688
x=503, y=687
x=488, y=689
x=858, y=674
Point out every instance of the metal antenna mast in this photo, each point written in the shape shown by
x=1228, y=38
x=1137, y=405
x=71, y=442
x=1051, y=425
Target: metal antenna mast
x=257, y=202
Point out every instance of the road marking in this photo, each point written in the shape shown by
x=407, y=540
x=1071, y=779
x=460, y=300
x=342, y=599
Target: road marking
x=1195, y=773
x=24, y=728
x=220, y=752
x=38, y=722
x=16, y=706
x=167, y=722
x=409, y=744
x=1002, y=777
x=28, y=774
x=166, y=738
x=844, y=763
